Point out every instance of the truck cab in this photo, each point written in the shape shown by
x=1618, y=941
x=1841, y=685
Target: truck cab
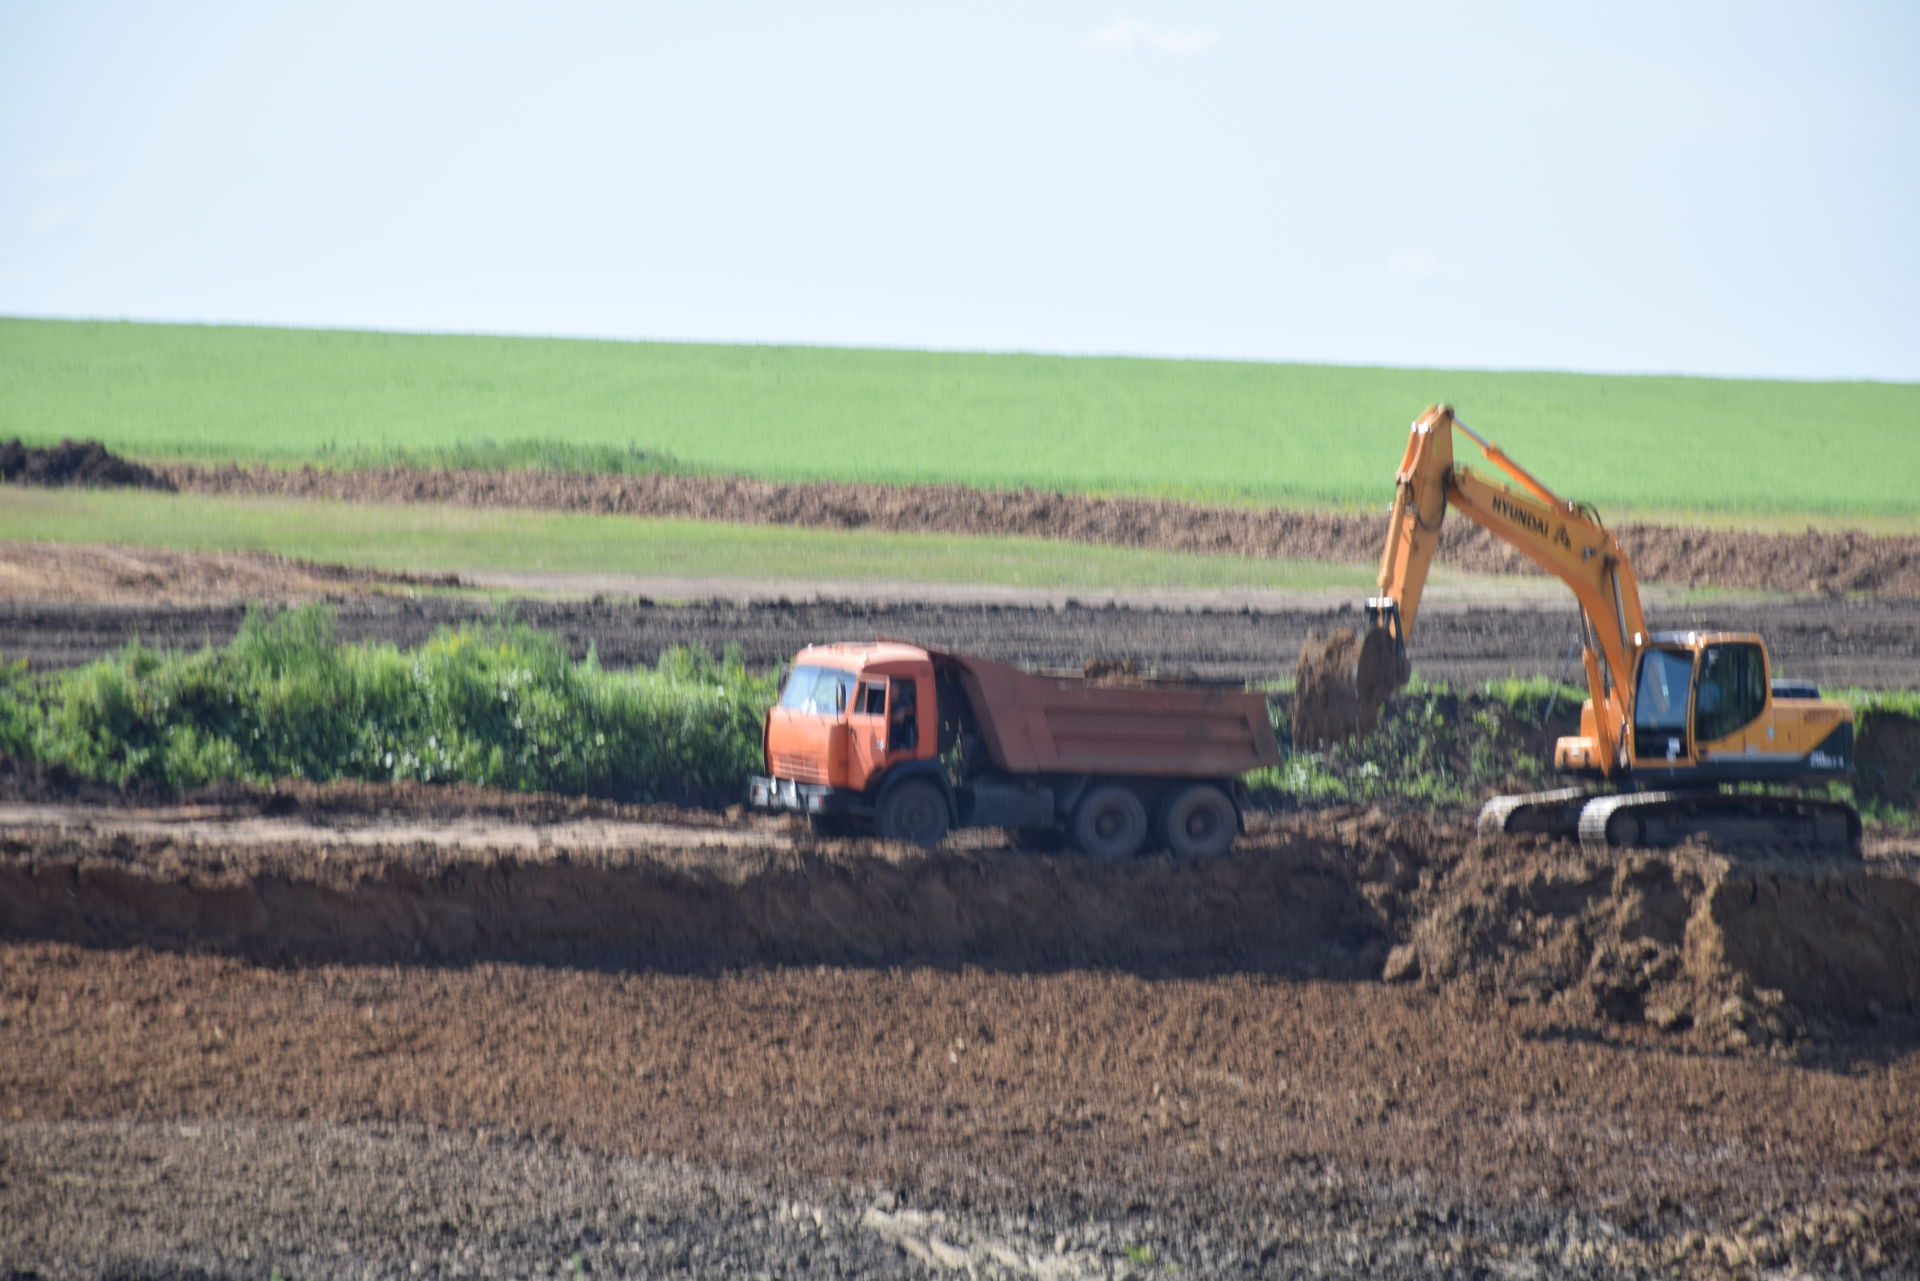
x=849, y=715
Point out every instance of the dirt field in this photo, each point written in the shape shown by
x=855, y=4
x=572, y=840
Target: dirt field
x=1363, y=1045
x=186, y=602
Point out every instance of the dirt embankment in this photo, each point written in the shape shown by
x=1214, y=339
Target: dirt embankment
x=689, y=900
x=1812, y=561
x=1685, y=943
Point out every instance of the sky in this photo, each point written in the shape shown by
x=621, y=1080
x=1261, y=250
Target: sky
x=1675, y=187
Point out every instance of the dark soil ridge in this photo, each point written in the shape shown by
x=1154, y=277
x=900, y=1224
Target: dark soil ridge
x=1823, y=562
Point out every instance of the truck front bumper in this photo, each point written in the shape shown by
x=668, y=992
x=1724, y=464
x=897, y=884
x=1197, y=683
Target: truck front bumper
x=765, y=793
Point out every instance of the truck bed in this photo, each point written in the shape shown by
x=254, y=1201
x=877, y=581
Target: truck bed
x=1067, y=725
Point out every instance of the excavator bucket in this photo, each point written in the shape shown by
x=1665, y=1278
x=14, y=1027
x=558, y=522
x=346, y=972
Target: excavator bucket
x=1342, y=681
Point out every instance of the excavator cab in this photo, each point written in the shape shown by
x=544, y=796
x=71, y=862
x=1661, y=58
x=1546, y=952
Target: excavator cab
x=1705, y=709
x=1693, y=691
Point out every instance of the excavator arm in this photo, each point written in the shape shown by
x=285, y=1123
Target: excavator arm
x=1564, y=538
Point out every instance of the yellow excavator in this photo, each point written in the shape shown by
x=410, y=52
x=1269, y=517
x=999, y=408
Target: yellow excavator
x=1685, y=733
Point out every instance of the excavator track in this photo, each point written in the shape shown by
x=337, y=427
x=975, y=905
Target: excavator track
x=1552, y=813
x=1734, y=821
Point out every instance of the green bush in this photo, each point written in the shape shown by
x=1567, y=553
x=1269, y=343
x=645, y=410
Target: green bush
x=1433, y=744
x=499, y=705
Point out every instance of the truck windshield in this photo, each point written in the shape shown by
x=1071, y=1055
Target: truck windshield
x=821, y=690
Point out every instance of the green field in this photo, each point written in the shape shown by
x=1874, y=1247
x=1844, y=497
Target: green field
x=1264, y=433
x=427, y=538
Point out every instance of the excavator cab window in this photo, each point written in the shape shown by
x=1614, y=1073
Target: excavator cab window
x=1733, y=689
x=1660, y=704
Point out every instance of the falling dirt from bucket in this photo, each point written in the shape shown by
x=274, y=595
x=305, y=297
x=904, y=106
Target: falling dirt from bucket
x=1340, y=684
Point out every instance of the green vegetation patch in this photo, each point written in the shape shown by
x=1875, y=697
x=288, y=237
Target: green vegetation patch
x=417, y=537
x=498, y=705
x=1213, y=430
x=1435, y=744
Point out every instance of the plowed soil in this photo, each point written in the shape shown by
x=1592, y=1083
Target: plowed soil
x=1361, y=1045
x=65, y=605
x=1813, y=561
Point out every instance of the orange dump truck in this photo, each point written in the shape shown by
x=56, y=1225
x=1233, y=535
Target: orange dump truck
x=911, y=742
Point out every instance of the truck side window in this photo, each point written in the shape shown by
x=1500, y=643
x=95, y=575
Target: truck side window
x=872, y=700
x=903, y=725
x=1733, y=689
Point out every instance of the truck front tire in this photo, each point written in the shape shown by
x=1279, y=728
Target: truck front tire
x=913, y=811
x=1111, y=822
x=1198, y=821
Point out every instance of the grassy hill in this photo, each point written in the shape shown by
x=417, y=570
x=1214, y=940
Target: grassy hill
x=1213, y=430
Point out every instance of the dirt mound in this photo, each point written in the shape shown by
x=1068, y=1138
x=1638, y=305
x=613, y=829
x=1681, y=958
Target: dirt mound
x=1341, y=683
x=74, y=462
x=1813, y=561
x=1887, y=761
x=1725, y=953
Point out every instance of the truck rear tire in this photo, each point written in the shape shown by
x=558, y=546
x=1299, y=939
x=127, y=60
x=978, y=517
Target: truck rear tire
x=912, y=811
x=1110, y=822
x=1199, y=821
